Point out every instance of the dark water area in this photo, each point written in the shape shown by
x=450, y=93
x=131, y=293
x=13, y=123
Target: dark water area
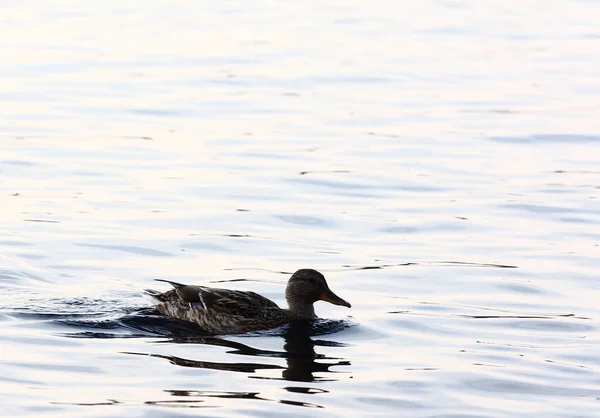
x=436, y=161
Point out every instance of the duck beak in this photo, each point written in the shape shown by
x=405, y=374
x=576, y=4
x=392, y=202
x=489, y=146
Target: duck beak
x=329, y=296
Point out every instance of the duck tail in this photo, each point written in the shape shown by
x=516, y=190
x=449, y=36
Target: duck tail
x=174, y=284
x=155, y=294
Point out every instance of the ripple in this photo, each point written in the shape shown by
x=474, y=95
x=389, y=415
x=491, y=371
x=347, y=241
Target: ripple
x=129, y=249
x=548, y=138
x=523, y=388
x=302, y=220
x=554, y=326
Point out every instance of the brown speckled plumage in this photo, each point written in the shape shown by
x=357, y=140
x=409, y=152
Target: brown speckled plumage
x=224, y=311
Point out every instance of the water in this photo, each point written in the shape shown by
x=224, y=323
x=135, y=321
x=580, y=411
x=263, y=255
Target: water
x=438, y=162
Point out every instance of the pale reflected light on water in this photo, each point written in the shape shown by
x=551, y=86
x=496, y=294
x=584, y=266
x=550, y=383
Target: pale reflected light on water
x=438, y=162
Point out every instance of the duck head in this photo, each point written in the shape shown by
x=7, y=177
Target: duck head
x=305, y=287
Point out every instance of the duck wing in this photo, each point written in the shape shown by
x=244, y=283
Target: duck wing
x=228, y=302
x=187, y=293
x=235, y=302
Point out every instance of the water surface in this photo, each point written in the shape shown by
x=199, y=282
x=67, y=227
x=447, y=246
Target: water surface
x=438, y=162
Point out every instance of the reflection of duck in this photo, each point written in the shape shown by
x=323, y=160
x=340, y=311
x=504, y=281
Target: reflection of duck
x=301, y=355
x=224, y=311
x=301, y=358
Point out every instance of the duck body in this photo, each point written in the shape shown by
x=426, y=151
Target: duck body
x=221, y=311
x=225, y=311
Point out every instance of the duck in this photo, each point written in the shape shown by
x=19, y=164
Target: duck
x=225, y=311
